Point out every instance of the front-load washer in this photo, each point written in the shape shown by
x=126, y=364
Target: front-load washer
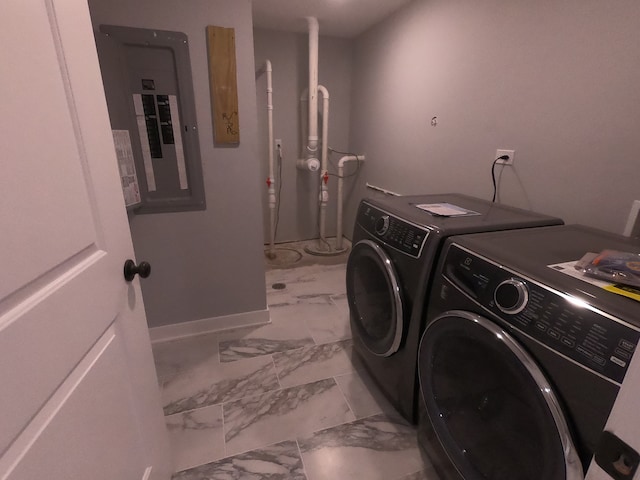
x=396, y=242
x=522, y=357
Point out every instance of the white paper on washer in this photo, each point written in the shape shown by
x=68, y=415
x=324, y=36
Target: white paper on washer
x=569, y=268
x=445, y=209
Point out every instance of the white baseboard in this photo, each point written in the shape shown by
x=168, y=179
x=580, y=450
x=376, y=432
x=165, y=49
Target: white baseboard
x=208, y=325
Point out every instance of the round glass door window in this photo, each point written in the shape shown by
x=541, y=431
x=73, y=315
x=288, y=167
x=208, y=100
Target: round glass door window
x=490, y=406
x=374, y=299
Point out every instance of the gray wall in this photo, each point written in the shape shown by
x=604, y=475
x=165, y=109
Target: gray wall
x=210, y=263
x=288, y=53
x=559, y=82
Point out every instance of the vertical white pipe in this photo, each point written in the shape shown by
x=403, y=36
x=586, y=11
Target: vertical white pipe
x=325, y=128
x=272, y=186
x=270, y=114
x=306, y=161
x=312, y=145
x=322, y=242
x=272, y=229
x=271, y=181
x=304, y=121
x=324, y=188
x=341, y=162
x=339, y=214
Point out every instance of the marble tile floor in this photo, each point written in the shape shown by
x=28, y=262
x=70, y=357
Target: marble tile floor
x=287, y=400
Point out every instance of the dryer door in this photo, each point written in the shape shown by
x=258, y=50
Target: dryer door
x=490, y=406
x=375, y=302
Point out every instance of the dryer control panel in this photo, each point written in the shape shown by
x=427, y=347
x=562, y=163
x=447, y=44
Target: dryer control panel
x=566, y=323
x=399, y=234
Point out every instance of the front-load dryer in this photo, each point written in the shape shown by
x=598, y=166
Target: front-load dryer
x=522, y=357
x=396, y=242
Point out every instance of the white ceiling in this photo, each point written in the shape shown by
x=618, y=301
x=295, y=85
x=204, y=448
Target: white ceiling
x=337, y=18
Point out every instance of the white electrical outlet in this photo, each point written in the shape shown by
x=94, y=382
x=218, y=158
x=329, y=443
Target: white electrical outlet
x=278, y=144
x=500, y=153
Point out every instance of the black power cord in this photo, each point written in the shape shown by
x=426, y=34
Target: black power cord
x=355, y=172
x=493, y=174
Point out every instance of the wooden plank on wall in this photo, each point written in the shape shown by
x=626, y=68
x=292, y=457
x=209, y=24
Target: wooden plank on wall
x=224, y=88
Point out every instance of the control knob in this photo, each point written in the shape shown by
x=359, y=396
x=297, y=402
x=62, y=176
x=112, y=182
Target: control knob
x=382, y=225
x=511, y=296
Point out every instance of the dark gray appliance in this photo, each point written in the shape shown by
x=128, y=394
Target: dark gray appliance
x=520, y=362
x=395, y=247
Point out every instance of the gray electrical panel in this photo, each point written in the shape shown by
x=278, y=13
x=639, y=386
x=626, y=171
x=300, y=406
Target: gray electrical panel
x=149, y=90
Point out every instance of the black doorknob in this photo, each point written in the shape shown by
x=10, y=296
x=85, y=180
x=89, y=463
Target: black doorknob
x=131, y=269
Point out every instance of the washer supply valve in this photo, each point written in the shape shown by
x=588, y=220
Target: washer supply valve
x=271, y=185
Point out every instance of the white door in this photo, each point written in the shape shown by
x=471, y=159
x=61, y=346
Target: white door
x=79, y=399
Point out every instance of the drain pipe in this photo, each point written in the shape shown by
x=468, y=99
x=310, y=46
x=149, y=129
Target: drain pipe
x=312, y=140
x=312, y=164
x=341, y=162
x=304, y=120
x=271, y=181
x=305, y=162
x=324, y=188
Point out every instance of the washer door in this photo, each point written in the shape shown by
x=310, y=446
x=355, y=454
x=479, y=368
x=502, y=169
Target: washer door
x=374, y=298
x=491, y=407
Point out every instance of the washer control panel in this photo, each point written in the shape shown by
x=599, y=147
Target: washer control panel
x=398, y=234
x=562, y=322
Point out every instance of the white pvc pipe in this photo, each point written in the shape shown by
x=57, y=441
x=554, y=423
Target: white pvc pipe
x=341, y=162
x=271, y=181
x=272, y=185
x=268, y=69
x=324, y=175
x=306, y=162
x=312, y=145
x=304, y=121
x=325, y=128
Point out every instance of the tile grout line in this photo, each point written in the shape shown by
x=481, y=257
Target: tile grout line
x=261, y=447
x=304, y=467
x=224, y=435
x=346, y=400
x=275, y=370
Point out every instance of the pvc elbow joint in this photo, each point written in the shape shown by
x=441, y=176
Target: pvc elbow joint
x=312, y=146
